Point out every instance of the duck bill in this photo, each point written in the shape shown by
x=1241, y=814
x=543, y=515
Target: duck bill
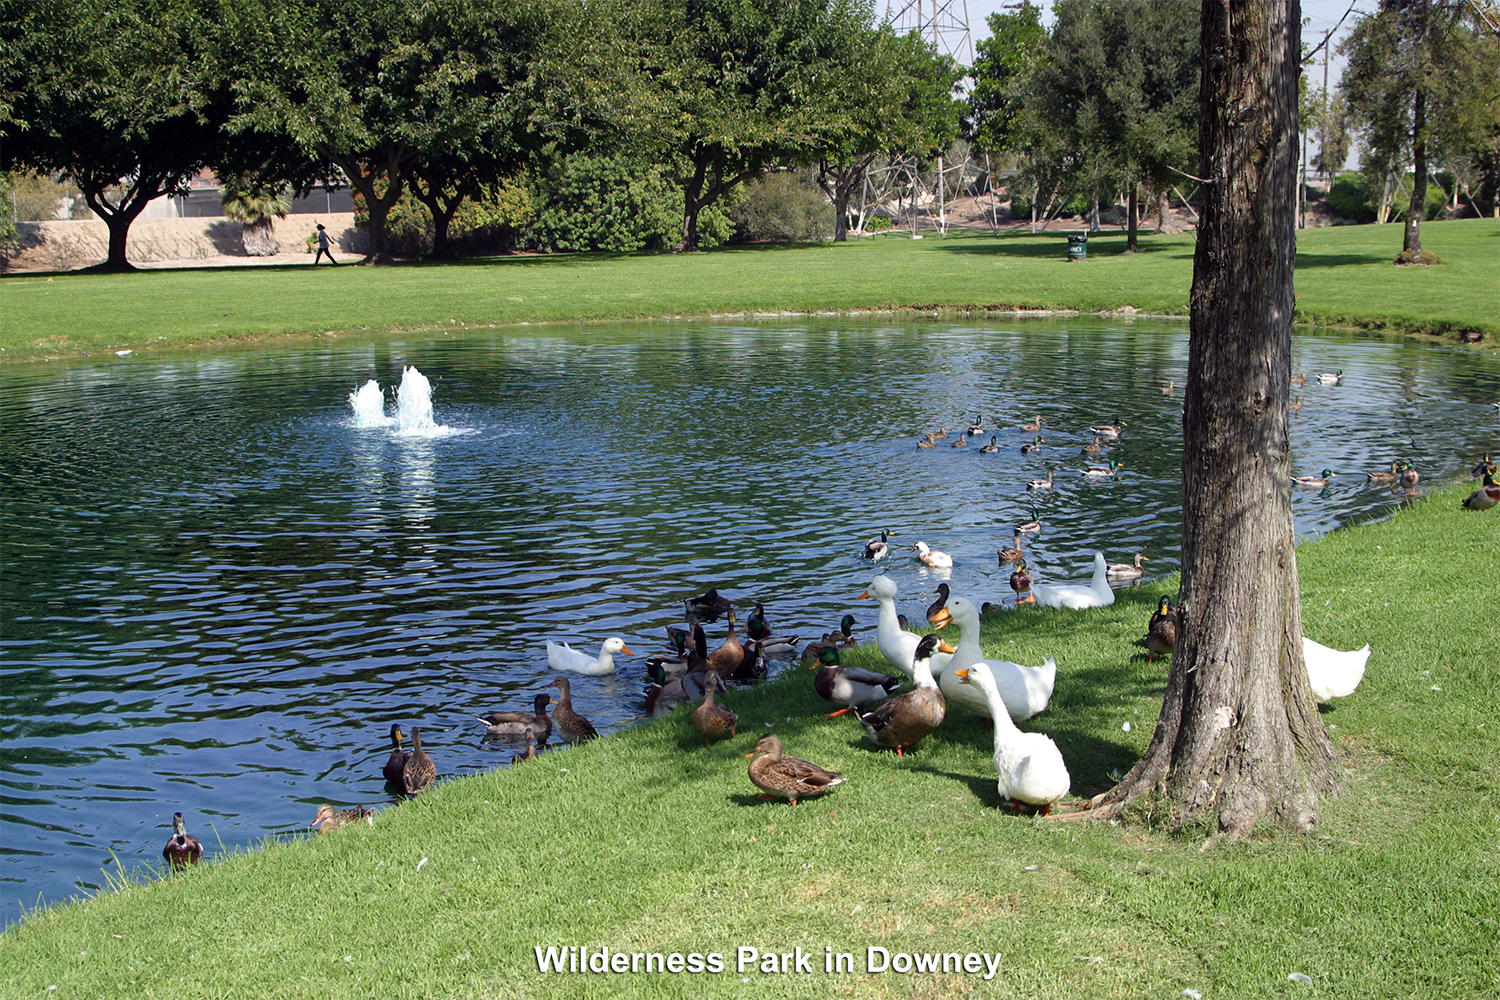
x=861, y=597
x=962, y=675
x=943, y=647
x=626, y=650
x=755, y=753
x=942, y=618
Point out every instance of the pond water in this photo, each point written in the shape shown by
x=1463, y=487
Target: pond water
x=219, y=590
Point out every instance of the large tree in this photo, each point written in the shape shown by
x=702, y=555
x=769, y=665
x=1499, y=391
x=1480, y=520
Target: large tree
x=1239, y=735
x=119, y=98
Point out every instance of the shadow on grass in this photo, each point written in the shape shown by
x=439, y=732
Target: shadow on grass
x=1055, y=245
x=1310, y=260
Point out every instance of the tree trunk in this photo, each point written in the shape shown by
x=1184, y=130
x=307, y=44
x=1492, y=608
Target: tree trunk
x=1411, y=237
x=692, y=204
x=118, y=217
x=259, y=238
x=1239, y=735
x=1132, y=220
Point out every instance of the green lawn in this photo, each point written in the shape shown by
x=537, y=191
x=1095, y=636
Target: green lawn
x=647, y=842
x=1344, y=277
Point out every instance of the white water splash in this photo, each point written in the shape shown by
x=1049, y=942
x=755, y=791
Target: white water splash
x=368, y=403
x=413, y=414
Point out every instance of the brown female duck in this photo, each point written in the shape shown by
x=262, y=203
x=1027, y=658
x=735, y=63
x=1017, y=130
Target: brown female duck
x=713, y=720
x=420, y=771
x=790, y=778
x=332, y=818
x=903, y=721
x=569, y=724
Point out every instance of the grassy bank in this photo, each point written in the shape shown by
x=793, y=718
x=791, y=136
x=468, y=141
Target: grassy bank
x=648, y=842
x=1344, y=277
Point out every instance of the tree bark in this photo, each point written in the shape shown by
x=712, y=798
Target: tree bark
x=1239, y=735
x=1132, y=223
x=118, y=217
x=1411, y=237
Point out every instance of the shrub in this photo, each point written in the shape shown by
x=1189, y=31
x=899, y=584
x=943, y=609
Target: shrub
x=1348, y=198
x=486, y=224
x=782, y=207
x=615, y=203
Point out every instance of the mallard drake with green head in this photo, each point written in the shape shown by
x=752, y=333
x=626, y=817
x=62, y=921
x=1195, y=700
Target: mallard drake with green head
x=781, y=777
x=1035, y=444
x=332, y=818
x=877, y=549
x=711, y=720
x=1485, y=497
x=395, y=764
x=181, y=850
x=1128, y=571
x=1032, y=526
x=849, y=686
x=990, y=449
x=1410, y=477
x=1314, y=482
x=1161, y=633
x=569, y=724
x=907, y=719
x=977, y=427
x=420, y=772
x=520, y=723
x=1102, y=471
x=1337, y=378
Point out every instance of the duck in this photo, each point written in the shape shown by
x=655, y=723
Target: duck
x=906, y=719
x=667, y=694
x=561, y=656
x=756, y=626
x=707, y=608
x=1385, y=477
x=1485, y=497
x=1170, y=387
x=1035, y=425
x=712, y=720
x=535, y=722
x=841, y=636
x=1041, y=484
x=1333, y=673
x=1296, y=405
x=1485, y=464
x=331, y=818
x=927, y=442
x=1035, y=444
x=1299, y=379
x=181, y=850
x=395, y=764
x=943, y=590
x=728, y=657
x=1102, y=471
x=1128, y=571
x=1032, y=773
x=1025, y=690
x=932, y=558
x=666, y=665
x=1410, y=477
x=849, y=686
x=1020, y=582
x=877, y=549
x=990, y=449
x=962, y=441
x=941, y=432
x=1110, y=432
x=1032, y=526
x=1012, y=552
x=530, y=752
x=1161, y=633
x=569, y=724
x=420, y=772
x=781, y=777
x=977, y=427
x=1314, y=482
x=897, y=645
x=1337, y=378
x=1094, y=447
x=1094, y=594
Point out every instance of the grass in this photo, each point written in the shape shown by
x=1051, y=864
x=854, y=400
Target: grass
x=648, y=842
x=1344, y=277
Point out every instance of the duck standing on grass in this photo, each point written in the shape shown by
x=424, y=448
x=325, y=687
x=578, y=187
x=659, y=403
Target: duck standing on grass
x=1030, y=766
x=1485, y=497
x=781, y=777
x=420, y=772
x=569, y=724
x=905, y=720
x=1161, y=633
x=181, y=850
x=1020, y=582
x=331, y=818
x=849, y=686
x=395, y=764
x=713, y=720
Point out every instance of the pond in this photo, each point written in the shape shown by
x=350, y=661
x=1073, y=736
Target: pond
x=219, y=591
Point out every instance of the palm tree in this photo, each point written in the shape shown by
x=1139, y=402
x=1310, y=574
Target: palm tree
x=254, y=207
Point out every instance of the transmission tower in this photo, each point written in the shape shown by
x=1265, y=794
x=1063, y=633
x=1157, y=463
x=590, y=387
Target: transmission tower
x=944, y=23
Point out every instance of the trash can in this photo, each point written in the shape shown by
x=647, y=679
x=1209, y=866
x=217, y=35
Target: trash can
x=1078, y=246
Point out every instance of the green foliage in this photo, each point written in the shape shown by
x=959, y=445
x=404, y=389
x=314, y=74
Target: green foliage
x=612, y=202
x=878, y=223
x=997, y=104
x=10, y=241
x=782, y=207
x=245, y=201
x=38, y=196
x=1349, y=198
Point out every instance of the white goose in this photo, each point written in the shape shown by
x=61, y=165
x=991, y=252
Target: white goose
x=1333, y=673
x=1031, y=768
x=1024, y=690
x=897, y=644
x=1094, y=594
x=564, y=657
x=931, y=557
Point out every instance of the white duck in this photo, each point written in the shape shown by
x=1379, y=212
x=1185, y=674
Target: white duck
x=561, y=656
x=1333, y=673
x=1025, y=690
x=931, y=557
x=897, y=644
x=1094, y=594
x=1031, y=768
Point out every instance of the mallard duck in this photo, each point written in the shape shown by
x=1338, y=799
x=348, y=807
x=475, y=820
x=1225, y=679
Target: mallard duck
x=728, y=657
x=1314, y=482
x=903, y=721
x=1170, y=387
x=1299, y=379
x=1035, y=444
x=1336, y=378
x=977, y=427
x=520, y=723
x=1035, y=425
x=877, y=549
x=941, y=432
x=756, y=626
x=927, y=442
x=843, y=636
x=781, y=777
x=707, y=608
x=1031, y=768
x=331, y=818
x=1032, y=526
x=1102, y=471
x=1012, y=552
x=561, y=656
x=1332, y=673
x=1110, y=432
x=1485, y=464
x=569, y=724
x=667, y=694
x=1094, y=594
x=419, y=771
x=1128, y=571
x=932, y=558
x=1020, y=582
x=1485, y=497
x=962, y=441
x=529, y=753
x=990, y=449
x=849, y=686
x=1161, y=633
x=1410, y=477
x=666, y=665
x=395, y=764
x=897, y=645
x=1094, y=447
x=1041, y=484
x=1025, y=690
x=181, y=850
x=1296, y=406
x=713, y=720
x=1385, y=477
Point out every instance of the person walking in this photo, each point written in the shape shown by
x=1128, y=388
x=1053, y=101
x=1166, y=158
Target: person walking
x=323, y=247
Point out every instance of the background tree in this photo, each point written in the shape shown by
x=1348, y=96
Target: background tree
x=1239, y=735
x=1001, y=118
x=254, y=207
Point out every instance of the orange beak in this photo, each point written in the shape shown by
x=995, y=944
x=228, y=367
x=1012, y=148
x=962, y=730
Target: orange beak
x=941, y=618
x=861, y=597
x=962, y=675
x=943, y=647
x=626, y=650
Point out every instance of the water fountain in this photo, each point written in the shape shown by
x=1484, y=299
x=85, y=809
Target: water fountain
x=413, y=416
